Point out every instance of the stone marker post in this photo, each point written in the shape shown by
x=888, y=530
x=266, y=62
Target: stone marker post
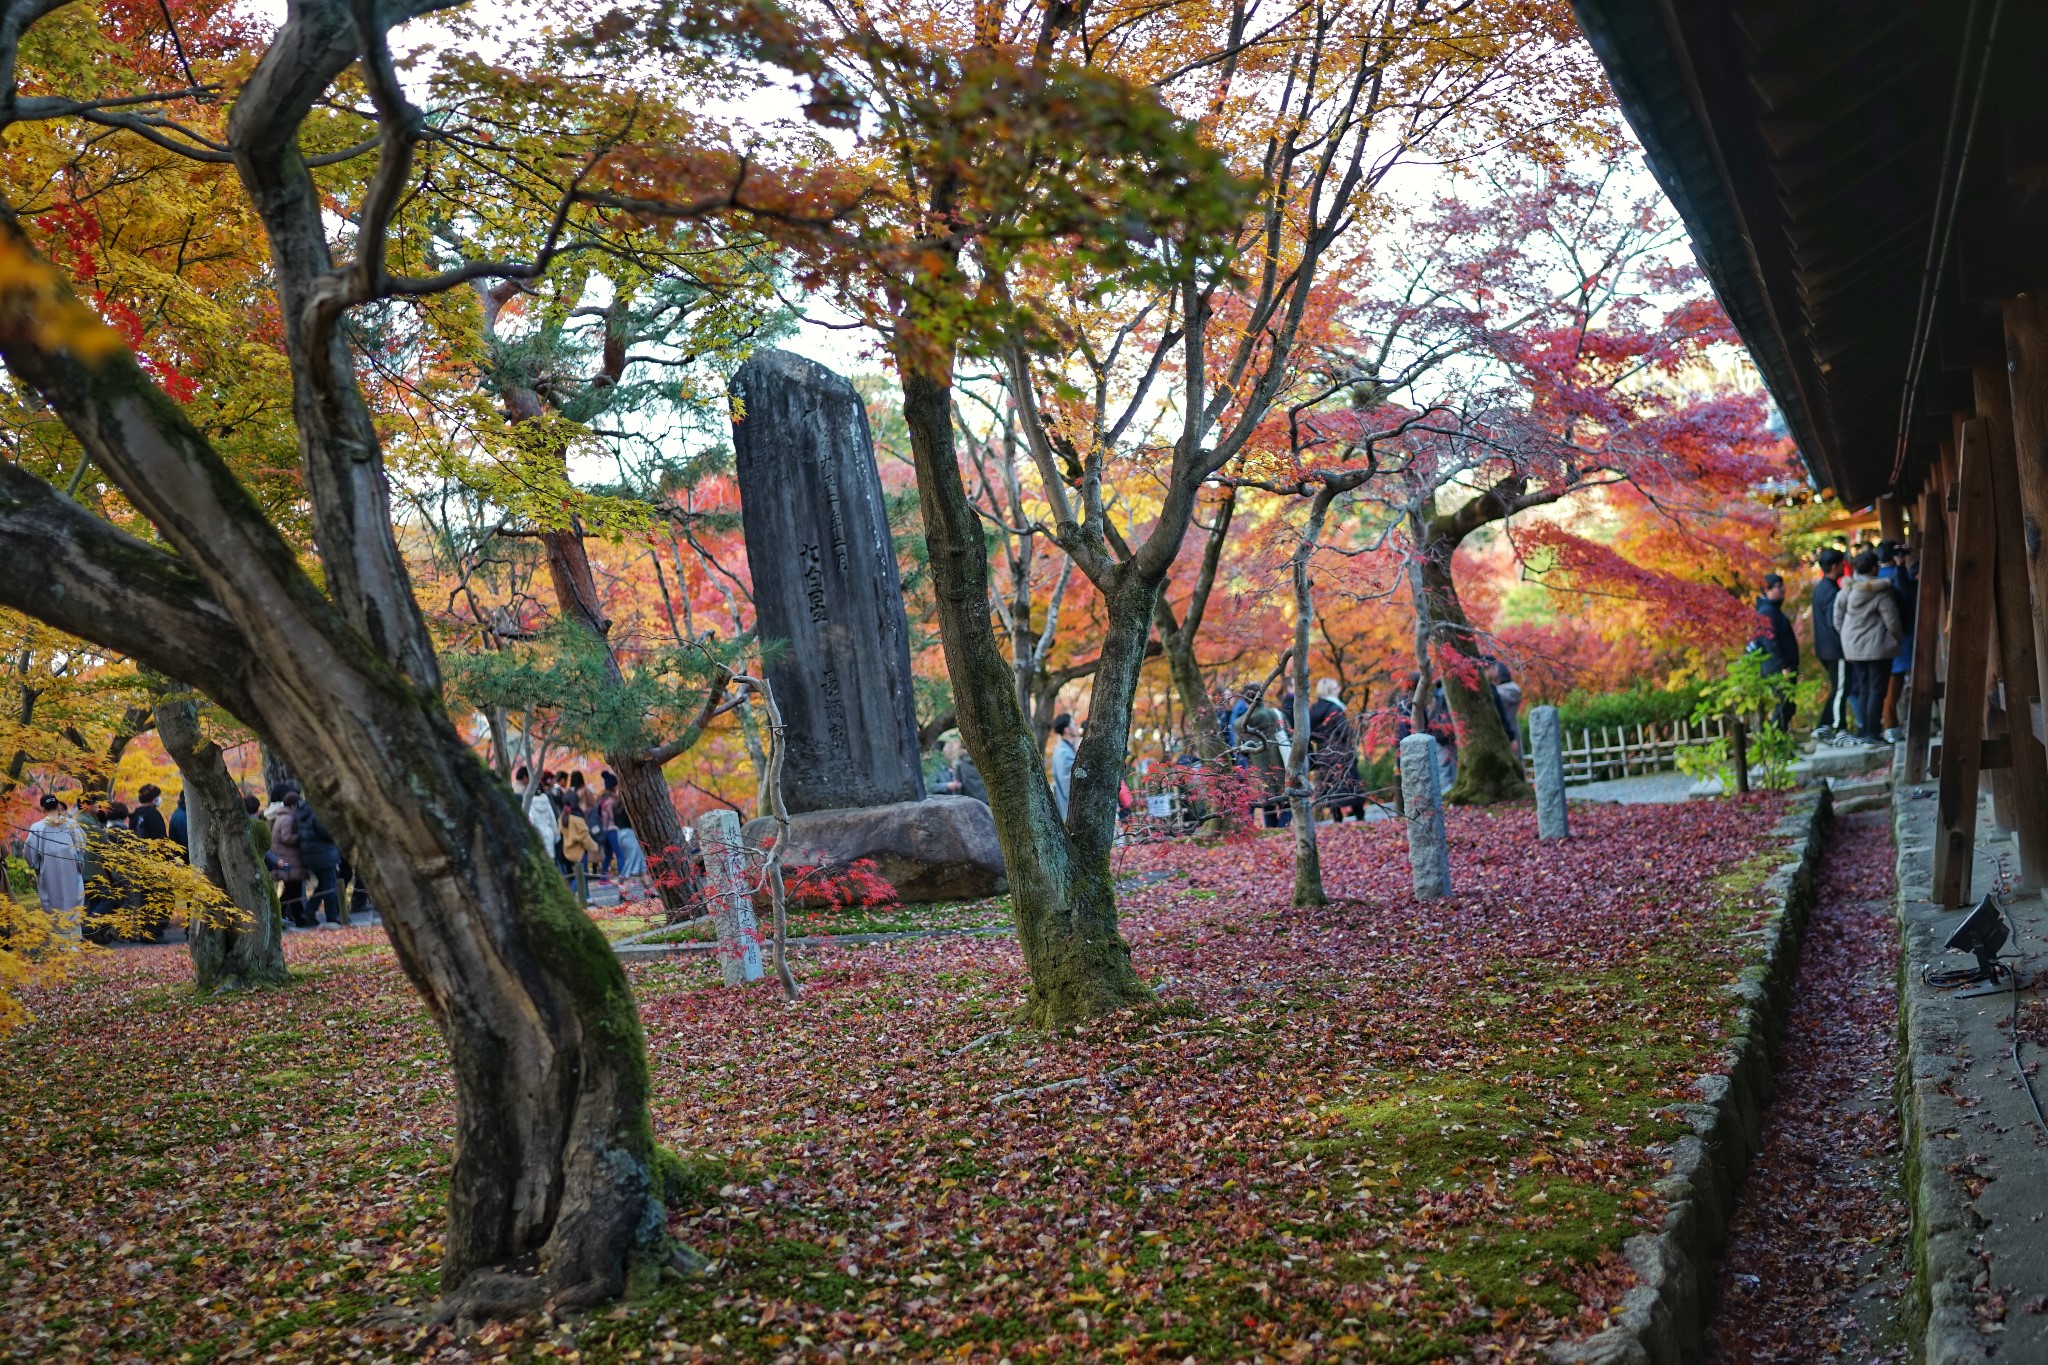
x=1422, y=797
x=1546, y=737
x=725, y=863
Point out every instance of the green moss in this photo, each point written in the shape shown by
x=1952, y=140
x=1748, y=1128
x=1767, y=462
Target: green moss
x=680, y=1183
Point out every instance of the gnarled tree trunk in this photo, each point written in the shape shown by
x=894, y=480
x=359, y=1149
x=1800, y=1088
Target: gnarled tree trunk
x=1488, y=770
x=229, y=957
x=551, y=1195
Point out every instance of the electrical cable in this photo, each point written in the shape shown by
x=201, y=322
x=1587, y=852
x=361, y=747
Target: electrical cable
x=2025, y=1079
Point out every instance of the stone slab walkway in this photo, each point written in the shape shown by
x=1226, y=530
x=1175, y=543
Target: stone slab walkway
x=1978, y=1174
x=1651, y=789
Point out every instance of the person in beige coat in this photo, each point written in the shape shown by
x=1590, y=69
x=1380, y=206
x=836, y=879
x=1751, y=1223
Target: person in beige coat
x=1866, y=614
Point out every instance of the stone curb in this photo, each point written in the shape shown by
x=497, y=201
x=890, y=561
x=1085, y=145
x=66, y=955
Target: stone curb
x=633, y=950
x=1664, y=1318
x=1944, y=1223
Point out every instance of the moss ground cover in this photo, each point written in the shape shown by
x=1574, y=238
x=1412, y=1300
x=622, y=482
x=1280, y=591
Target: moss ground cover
x=1377, y=1131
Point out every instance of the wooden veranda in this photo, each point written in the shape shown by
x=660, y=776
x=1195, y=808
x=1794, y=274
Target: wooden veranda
x=1866, y=184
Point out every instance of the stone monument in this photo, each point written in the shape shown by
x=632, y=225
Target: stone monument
x=828, y=605
x=1422, y=801
x=826, y=594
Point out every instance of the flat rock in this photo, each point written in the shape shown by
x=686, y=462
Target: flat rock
x=942, y=848
x=1829, y=760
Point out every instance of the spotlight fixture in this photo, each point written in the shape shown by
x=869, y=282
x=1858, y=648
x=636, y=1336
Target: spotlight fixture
x=1981, y=933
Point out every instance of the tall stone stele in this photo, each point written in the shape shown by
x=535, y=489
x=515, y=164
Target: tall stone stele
x=827, y=598
x=828, y=605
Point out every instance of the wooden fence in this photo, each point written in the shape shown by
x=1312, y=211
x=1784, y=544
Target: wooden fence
x=1594, y=755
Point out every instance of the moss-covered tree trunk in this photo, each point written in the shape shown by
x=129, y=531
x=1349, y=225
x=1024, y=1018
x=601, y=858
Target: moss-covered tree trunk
x=551, y=1196
x=1062, y=894
x=1177, y=634
x=1488, y=771
x=225, y=957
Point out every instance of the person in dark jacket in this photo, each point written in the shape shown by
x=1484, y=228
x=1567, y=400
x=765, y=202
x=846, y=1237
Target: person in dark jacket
x=1827, y=645
x=1778, y=642
x=146, y=820
x=321, y=857
x=1334, y=752
x=177, y=825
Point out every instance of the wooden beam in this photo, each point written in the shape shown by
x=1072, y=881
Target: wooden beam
x=2018, y=665
x=1925, y=680
x=1970, y=615
x=1891, y=519
x=2026, y=369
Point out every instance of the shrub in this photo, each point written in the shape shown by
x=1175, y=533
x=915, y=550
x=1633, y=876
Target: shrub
x=1643, y=704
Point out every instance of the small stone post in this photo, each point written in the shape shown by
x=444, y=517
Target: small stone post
x=725, y=861
x=1422, y=797
x=1546, y=738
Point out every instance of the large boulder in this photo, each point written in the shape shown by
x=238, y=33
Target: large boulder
x=942, y=848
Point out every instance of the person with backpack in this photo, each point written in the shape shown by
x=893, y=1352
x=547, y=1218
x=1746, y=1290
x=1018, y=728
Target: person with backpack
x=1866, y=613
x=146, y=820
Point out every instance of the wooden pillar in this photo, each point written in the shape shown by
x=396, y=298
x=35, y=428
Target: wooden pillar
x=1891, y=520
x=2018, y=668
x=1929, y=618
x=2026, y=369
x=1970, y=615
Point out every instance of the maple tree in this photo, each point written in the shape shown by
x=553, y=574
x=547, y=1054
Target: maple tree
x=1157, y=198
x=1553, y=349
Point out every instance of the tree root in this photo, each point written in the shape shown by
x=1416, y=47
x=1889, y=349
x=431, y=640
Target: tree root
x=501, y=1293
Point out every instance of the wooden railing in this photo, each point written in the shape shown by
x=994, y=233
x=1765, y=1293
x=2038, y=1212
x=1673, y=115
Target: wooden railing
x=1594, y=755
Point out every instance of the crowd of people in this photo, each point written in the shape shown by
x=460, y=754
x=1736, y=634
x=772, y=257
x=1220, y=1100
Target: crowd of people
x=587, y=828
x=1258, y=731
x=71, y=853
x=1254, y=732
x=1861, y=615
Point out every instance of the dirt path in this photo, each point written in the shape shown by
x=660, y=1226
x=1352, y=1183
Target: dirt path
x=1816, y=1267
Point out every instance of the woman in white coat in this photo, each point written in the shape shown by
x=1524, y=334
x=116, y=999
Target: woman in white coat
x=56, y=850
